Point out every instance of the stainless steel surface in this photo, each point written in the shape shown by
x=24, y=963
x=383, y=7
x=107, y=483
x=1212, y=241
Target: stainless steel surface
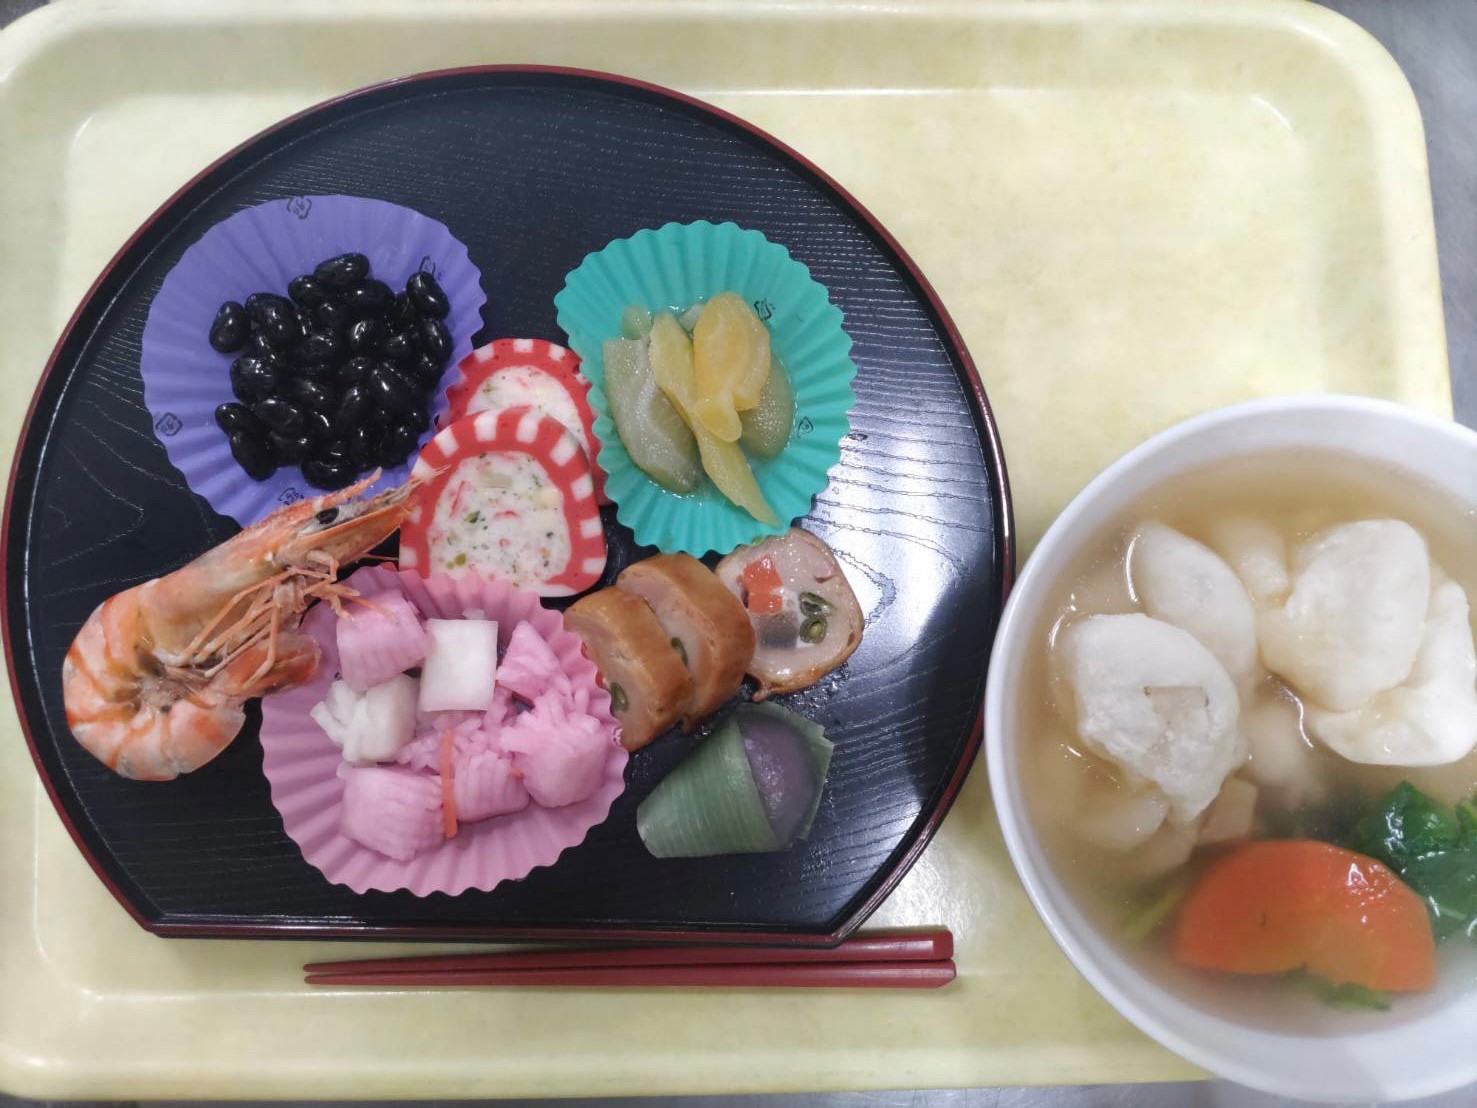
x=1435, y=42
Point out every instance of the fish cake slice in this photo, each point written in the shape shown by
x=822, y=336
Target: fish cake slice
x=510, y=493
x=649, y=686
x=706, y=623
x=514, y=373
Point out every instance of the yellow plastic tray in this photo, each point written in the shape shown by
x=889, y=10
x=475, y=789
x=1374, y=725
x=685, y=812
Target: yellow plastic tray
x=1134, y=210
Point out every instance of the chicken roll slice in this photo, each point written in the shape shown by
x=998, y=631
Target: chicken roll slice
x=649, y=686
x=806, y=618
x=708, y=627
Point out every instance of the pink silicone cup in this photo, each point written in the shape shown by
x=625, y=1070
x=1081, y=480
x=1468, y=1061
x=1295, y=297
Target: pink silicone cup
x=260, y=249
x=302, y=763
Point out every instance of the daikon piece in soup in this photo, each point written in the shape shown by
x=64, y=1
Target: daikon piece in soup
x=1251, y=724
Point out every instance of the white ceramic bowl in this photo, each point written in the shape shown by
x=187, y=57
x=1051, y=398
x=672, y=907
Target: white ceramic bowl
x=1291, y=1046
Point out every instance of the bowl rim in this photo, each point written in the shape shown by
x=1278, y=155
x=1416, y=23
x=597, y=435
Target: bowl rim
x=1065, y=533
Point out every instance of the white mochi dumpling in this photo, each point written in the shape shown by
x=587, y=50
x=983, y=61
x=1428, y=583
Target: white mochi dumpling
x=1183, y=582
x=1356, y=613
x=1121, y=819
x=1256, y=552
x=1430, y=719
x=1155, y=702
x=1280, y=759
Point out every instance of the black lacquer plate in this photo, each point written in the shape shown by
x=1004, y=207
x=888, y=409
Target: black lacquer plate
x=532, y=169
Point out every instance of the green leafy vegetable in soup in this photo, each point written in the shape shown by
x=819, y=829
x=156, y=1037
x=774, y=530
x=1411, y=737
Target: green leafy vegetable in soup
x=1346, y=995
x=1434, y=852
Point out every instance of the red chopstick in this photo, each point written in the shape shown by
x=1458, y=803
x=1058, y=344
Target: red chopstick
x=835, y=975
x=881, y=946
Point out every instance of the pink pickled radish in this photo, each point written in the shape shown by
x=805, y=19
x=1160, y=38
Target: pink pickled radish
x=560, y=755
x=378, y=639
x=394, y=811
x=503, y=709
x=447, y=768
x=424, y=751
x=486, y=785
x=529, y=664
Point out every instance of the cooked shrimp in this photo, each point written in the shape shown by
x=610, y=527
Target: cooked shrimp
x=155, y=682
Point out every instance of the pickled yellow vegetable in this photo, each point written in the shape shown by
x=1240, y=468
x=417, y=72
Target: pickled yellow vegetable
x=766, y=428
x=671, y=355
x=718, y=415
x=654, y=435
x=731, y=357
x=635, y=322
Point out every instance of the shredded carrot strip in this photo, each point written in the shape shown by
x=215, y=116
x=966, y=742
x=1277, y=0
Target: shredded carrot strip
x=448, y=783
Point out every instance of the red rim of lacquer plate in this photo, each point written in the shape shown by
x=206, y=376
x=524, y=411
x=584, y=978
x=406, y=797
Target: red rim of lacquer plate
x=521, y=430
x=558, y=362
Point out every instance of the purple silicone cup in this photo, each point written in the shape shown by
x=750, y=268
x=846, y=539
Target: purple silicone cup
x=260, y=249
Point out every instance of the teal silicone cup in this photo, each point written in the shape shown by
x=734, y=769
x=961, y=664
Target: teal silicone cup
x=673, y=268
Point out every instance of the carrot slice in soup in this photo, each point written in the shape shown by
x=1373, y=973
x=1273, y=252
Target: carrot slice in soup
x=1279, y=905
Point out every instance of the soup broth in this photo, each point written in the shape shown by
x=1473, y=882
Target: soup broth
x=1092, y=816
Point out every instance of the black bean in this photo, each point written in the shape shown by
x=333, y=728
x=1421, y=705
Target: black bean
x=333, y=315
x=318, y=346
x=399, y=347
x=280, y=415
x=364, y=445
x=317, y=426
x=307, y=290
x=355, y=370
x=435, y=338
x=259, y=346
x=335, y=451
x=259, y=304
x=305, y=321
x=252, y=378
x=290, y=451
x=381, y=417
x=231, y=328
x=365, y=335
x=399, y=442
x=325, y=373
x=311, y=394
x=417, y=417
x=275, y=360
x=425, y=371
x=237, y=417
x=353, y=409
x=389, y=390
x=252, y=454
x=275, y=318
x=368, y=297
x=343, y=270
x=401, y=314
x=426, y=295
x=328, y=475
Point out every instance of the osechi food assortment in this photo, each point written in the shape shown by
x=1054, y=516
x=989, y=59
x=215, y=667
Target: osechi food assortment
x=446, y=704
x=1254, y=727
